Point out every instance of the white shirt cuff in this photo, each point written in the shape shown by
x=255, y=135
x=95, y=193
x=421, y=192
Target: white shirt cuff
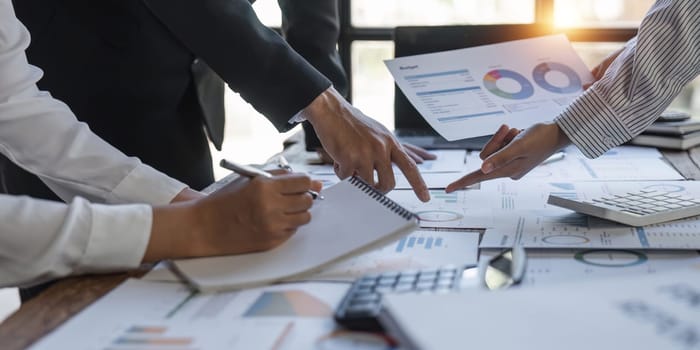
x=119, y=237
x=146, y=185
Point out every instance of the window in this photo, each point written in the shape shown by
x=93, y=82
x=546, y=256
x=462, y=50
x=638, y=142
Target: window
x=600, y=13
x=392, y=13
x=597, y=28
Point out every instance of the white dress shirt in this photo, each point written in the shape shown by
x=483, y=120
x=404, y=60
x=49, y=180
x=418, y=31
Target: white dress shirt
x=642, y=82
x=41, y=240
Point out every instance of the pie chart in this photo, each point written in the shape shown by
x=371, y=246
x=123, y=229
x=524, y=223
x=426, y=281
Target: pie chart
x=524, y=89
x=555, y=82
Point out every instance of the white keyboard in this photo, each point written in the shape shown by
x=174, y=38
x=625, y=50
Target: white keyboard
x=635, y=208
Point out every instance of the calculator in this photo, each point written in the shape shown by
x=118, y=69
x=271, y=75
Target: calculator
x=641, y=208
x=361, y=305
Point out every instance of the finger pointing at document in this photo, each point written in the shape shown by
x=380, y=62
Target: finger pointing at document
x=360, y=145
x=513, y=153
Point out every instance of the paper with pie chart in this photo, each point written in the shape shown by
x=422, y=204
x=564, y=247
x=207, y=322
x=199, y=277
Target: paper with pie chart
x=471, y=92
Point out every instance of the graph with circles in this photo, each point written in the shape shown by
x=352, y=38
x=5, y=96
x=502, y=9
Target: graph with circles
x=506, y=76
x=553, y=77
x=546, y=73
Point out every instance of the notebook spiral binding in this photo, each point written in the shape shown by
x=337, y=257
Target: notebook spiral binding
x=382, y=199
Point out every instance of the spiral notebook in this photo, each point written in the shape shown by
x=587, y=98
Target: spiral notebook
x=353, y=218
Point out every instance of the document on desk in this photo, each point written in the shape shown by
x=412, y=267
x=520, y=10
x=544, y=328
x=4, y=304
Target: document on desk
x=352, y=216
x=484, y=204
x=553, y=266
x=150, y=315
x=421, y=249
x=437, y=173
x=471, y=92
x=660, y=311
x=547, y=229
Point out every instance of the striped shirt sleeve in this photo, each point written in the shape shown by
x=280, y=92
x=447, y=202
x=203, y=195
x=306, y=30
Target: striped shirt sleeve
x=649, y=73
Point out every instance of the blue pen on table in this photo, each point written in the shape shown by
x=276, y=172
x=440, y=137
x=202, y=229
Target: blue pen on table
x=250, y=171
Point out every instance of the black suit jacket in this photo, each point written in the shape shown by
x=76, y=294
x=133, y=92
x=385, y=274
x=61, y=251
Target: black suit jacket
x=312, y=28
x=128, y=68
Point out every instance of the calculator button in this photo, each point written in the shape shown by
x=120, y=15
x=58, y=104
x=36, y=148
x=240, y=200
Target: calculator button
x=446, y=278
x=364, y=289
x=673, y=206
x=359, y=310
x=406, y=280
x=390, y=275
x=402, y=288
x=632, y=212
x=383, y=289
x=444, y=283
x=431, y=274
x=364, y=298
x=386, y=283
x=366, y=282
x=424, y=286
x=409, y=273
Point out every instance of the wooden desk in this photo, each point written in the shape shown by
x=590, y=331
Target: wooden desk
x=67, y=297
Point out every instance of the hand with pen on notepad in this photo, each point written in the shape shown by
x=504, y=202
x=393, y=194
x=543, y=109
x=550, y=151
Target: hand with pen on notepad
x=245, y=216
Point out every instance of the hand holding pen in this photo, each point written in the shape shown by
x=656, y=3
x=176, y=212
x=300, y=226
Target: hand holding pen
x=251, y=172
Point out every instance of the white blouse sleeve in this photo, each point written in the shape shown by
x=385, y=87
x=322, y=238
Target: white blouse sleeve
x=40, y=240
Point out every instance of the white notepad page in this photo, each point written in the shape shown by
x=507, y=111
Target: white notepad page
x=351, y=217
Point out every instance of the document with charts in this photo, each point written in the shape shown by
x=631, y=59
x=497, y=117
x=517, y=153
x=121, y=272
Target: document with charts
x=567, y=229
x=550, y=266
x=471, y=92
x=421, y=249
x=158, y=316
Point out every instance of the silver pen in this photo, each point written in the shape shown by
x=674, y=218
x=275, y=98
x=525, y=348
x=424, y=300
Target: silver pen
x=554, y=157
x=251, y=171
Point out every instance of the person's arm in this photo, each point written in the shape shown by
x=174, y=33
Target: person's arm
x=640, y=83
x=637, y=86
x=252, y=59
x=279, y=83
x=42, y=240
x=42, y=135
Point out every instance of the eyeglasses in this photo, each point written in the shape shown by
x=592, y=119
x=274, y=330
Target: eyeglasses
x=505, y=269
x=502, y=271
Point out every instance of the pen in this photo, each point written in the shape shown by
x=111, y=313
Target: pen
x=554, y=157
x=282, y=163
x=250, y=171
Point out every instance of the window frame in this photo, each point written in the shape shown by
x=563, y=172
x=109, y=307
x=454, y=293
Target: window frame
x=544, y=12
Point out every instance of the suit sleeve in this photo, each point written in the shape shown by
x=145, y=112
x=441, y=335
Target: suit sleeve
x=251, y=58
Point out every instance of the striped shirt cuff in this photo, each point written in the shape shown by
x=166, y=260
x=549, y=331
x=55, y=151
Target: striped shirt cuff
x=592, y=125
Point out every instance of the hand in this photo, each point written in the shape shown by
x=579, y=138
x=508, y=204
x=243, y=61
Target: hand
x=187, y=194
x=599, y=70
x=360, y=145
x=242, y=217
x=512, y=153
x=418, y=154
